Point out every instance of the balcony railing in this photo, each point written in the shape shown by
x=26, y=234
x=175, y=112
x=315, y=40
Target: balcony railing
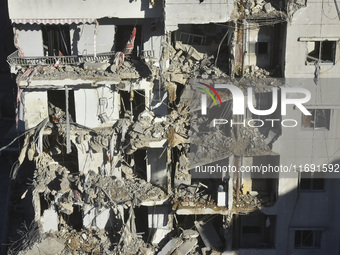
x=15, y=59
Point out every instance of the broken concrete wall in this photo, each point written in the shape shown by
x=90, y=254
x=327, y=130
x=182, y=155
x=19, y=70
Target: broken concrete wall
x=153, y=37
x=29, y=39
x=49, y=220
x=160, y=221
x=302, y=140
x=93, y=161
x=103, y=109
x=82, y=38
x=255, y=38
x=302, y=29
x=157, y=166
x=35, y=107
x=97, y=217
x=176, y=12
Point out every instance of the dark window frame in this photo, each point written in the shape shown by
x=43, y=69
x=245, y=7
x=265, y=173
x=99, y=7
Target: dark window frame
x=56, y=40
x=314, y=121
x=307, y=239
x=311, y=182
x=324, y=52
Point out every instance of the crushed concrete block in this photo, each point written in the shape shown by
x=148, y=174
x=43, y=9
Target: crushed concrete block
x=180, y=78
x=50, y=246
x=68, y=68
x=256, y=9
x=191, y=51
x=171, y=88
x=66, y=208
x=171, y=246
x=137, y=127
x=49, y=220
x=64, y=185
x=96, y=66
x=127, y=64
x=205, y=76
x=113, y=68
x=178, y=54
x=209, y=235
x=186, y=247
x=190, y=233
x=253, y=193
x=268, y=7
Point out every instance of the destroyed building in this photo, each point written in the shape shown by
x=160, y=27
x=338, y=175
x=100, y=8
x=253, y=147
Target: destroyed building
x=112, y=129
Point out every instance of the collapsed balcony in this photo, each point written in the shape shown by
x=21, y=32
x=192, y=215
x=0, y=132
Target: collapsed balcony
x=90, y=68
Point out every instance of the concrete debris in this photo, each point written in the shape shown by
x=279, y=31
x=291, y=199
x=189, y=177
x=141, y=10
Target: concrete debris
x=255, y=71
x=186, y=247
x=209, y=235
x=189, y=50
x=132, y=69
x=171, y=88
x=145, y=130
x=51, y=245
x=268, y=7
x=192, y=196
x=96, y=66
x=262, y=8
x=186, y=243
x=86, y=200
x=179, y=78
x=253, y=200
x=189, y=233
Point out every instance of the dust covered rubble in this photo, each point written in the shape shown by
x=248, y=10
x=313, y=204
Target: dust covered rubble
x=262, y=8
x=182, y=63
x=95, y=70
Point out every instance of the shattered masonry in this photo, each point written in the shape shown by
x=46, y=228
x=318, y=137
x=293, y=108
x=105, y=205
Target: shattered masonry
x=112, y=128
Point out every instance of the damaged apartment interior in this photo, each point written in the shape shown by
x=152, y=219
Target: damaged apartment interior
x=108, y=125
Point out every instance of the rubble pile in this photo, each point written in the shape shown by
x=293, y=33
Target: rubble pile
x=68, y=241
x=215, y=145
x=145, y=130
x=253, y=200
x=186, y=243
x=124, y=191
x=193, y=195
x=209, y=146
x=250, y=143
x=182, y=174
x=179, y=126
x=68, y=189
x=255, y=71
x=185, y=62
x=262, y=7
x=132, y=69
